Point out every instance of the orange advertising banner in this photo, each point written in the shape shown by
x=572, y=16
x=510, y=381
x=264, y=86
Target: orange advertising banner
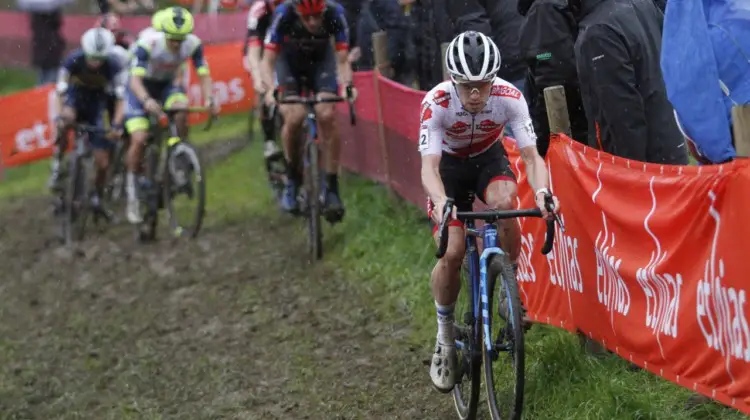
x=26, y=131
x=651, y=264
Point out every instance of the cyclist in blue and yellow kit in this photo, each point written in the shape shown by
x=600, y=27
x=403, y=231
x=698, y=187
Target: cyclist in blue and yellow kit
x=298, y=46
x=157, y=60
x=86, y=77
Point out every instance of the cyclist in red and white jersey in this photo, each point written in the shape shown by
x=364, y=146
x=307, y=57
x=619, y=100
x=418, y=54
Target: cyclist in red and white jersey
x=462, y=121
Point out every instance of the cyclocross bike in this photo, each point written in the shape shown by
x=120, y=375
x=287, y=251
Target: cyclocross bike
x=74, y=200
x=310, y=198
x=167, y=176
x=479, y=337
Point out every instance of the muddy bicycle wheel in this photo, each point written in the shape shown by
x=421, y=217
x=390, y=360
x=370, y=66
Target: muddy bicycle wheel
x=184, y=178
x=468, y=339
x=313, y=213
x=504, y=364
x=76, y=201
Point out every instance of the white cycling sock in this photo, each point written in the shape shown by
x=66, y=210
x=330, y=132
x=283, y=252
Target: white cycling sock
x=130, y=185
x=445, y=323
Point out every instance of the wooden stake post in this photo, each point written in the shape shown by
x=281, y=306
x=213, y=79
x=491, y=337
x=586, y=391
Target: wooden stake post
x=382, y=66
x=741, y=124
x=557, y=110
x=380, y=53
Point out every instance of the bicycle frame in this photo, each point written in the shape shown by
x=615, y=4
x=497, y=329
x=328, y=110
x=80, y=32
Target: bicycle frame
x=477, y=268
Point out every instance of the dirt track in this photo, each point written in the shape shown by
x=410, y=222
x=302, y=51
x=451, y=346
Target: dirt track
x=228, y=326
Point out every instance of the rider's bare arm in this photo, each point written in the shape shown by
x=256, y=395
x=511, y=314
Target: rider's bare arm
x=431, y=180
x=119, y=89
x=430, y=146
x=201, y=69
x=523, y=129
x=267, y=68
x=343, y=67
x=63, y=77
x=137, y=71
x=536, y=169
x=254, y=60
x=341, y=36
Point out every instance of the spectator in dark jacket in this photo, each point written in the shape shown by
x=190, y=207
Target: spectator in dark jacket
x=431, y=26
x=617, y=54
x=500, y=20
x=547, y=45
x=47, y=44
x=388, y=16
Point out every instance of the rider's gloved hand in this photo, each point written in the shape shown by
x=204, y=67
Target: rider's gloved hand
x=152, y=106
x=349, y=92
x=116, y=131
x=270, y=98
x=546, y=202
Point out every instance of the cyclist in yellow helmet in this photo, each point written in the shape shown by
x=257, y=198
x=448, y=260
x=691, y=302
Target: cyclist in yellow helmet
x=157, y=61
x=157, y=18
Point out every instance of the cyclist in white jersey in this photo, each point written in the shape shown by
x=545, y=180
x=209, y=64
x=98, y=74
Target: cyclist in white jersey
x=461, y=123
x=156, y=63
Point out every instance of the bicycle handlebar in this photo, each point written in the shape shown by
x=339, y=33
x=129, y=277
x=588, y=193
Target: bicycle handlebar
x=193, y=109
x=493, y=216
x=313, y=101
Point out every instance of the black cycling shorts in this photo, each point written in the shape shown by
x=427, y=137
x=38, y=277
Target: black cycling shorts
x=298, y=75
x=463, y=178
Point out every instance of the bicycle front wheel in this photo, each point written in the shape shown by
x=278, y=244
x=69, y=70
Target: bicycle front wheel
x=76, y=200
x=184, y=190
x=468, y=370
x=312, y=190
x=504, y=380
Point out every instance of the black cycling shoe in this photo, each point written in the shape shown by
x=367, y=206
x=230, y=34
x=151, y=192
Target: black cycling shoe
x=333, y=208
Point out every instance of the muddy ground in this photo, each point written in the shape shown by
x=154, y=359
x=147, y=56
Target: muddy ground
x=230, y=325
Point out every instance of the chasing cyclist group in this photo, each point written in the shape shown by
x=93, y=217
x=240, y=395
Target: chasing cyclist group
x=288, y=51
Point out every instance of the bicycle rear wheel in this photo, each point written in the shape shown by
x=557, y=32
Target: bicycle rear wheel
x=468, y=371
x=312, y=191
x=184, y=177
x=504, y=381
x=76, y=199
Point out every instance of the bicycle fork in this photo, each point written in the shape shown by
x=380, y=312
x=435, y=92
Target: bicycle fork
x=491, y=248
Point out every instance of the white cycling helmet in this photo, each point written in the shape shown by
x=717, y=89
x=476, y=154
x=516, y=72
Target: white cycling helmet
x=472, y=57
x=97, y=42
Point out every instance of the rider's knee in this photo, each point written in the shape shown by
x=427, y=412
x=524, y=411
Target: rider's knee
x=502, y=201
x=326, y=114
x=453, y=257
x=294, y=115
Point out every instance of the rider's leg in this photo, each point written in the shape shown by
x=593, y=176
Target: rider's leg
x=137, y=124
x=497, y=187
x=325, y=82
x=329, y=131
x=294, y=116
x=501, y=195
x=446, y=284
x=100, y=145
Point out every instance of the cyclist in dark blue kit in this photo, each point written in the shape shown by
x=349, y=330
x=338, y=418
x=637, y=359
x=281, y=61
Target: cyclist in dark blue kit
x=298, y=46
x=85, y=78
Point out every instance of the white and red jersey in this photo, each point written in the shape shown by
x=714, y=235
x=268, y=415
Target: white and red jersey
x=445, y=127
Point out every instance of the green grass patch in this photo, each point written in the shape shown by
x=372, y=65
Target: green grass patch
x=32, y=178
x=384, y=247
x=14, y=80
